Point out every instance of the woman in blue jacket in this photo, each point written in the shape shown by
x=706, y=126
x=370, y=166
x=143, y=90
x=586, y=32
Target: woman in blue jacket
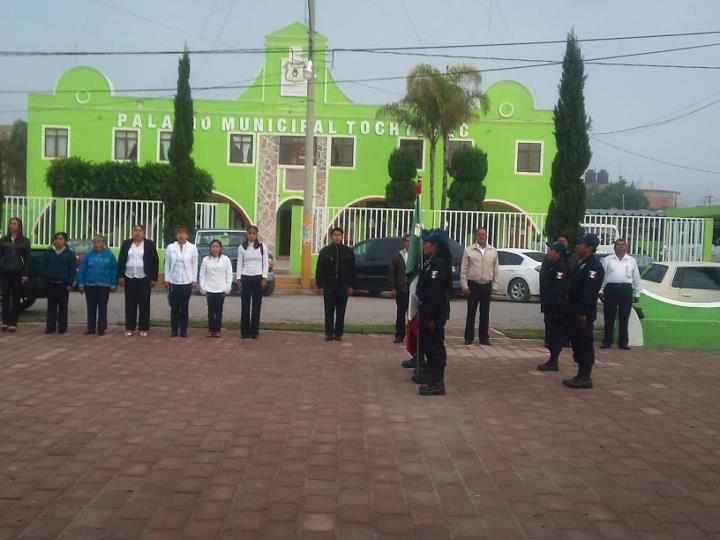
x=96, y=279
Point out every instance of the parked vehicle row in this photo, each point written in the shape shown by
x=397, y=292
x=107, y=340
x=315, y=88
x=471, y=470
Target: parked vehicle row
x=519, y=269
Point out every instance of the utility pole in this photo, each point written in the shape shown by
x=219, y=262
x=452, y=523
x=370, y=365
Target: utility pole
x=309, y=189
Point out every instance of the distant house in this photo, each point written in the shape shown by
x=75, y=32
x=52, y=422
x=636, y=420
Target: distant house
x=660, y=199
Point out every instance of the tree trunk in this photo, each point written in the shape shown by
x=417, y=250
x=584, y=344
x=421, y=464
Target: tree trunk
x=433, y=149
x=446, y=144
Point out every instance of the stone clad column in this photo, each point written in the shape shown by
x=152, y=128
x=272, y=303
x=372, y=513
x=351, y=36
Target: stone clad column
x=267, y=182
x=321, y=172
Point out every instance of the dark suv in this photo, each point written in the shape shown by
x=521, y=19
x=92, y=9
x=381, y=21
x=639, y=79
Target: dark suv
x=373, y=258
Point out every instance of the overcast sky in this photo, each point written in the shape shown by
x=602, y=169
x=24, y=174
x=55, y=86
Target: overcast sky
x=616, y=97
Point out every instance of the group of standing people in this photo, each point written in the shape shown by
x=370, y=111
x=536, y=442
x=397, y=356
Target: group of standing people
x=136, y=269
x=570, y=286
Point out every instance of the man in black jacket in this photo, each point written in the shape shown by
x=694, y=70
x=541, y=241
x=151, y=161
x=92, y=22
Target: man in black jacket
x=335, y=278
x=399, y=289
x=583, y=295
x=554, y=280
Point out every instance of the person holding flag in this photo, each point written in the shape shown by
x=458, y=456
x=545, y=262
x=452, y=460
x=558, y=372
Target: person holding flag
x=434, y=287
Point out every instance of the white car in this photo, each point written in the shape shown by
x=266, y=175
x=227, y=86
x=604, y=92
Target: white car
x=519, y=275
x=693, y=282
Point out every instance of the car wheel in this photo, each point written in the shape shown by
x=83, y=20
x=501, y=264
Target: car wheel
x=26, y=302
x=374, y=292
x=518, y=290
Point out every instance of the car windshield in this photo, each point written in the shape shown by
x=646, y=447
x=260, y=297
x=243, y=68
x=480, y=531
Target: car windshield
x=538, y=256
x=228, y=239
x=655, y=273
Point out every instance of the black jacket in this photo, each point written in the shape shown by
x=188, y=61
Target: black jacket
x=396, y=273
x=554, y=280
x=151, y=262
x=585, y=286
x=433, y=290
x=335, y=266
x=15, y=256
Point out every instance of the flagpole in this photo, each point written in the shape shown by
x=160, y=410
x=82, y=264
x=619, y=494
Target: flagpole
x=418, y=262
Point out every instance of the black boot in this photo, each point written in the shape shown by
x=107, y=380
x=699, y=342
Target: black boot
x=582, y=380
x=436, y=386
x=550, y=365
x=575, y=378
x=411, y=363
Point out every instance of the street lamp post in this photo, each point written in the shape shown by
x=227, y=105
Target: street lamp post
x=309, y=188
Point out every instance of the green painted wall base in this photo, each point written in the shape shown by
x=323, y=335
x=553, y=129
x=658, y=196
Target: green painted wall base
x=668, y=325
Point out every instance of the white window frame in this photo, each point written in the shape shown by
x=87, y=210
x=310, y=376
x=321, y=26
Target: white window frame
x=112, y=153
x=542, y=157
x=160, y=131
x=42, y=149
x=254, y=149
x=422, y=167
x=354, y=161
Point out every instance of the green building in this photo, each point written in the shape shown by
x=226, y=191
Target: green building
x=253, y=146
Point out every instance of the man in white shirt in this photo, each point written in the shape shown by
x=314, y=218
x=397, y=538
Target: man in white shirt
x=620, y=288
x=478, y=279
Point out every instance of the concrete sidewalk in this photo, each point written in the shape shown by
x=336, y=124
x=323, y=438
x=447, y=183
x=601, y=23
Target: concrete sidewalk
x=308, y=308
x=290, y=437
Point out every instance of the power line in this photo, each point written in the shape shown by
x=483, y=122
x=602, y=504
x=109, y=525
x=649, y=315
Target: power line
x=251, y=50
x=543, y=63
x=661, y=122
x=656, y=160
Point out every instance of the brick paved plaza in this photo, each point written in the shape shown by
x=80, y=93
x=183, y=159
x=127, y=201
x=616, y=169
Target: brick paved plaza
x=290, y=437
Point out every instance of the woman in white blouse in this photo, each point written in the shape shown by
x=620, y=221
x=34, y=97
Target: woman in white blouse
x=181, y=267
x=216, y=277
x=252, y=273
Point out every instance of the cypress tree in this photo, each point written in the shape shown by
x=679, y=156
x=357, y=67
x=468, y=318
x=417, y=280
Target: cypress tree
x=179, y=196
x=468, y=168
x=402, y=168
x=567, y=206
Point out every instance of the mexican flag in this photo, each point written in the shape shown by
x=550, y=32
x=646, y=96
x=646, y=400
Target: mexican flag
x=414, y=261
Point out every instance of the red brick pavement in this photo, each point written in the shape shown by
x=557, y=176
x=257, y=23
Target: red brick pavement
x=290, y=437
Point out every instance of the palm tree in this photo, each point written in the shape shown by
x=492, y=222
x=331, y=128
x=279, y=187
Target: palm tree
x=418, y=109
x=459, y=99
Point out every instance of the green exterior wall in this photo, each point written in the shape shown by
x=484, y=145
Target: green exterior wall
x=85, y=103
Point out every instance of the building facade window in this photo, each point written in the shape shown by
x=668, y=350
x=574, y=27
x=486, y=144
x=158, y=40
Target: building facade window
x=529, y=157
x=126, y=145
x=164, y=145
x=292, y=150
x=56, y=142
x=417, y=146
x=456, y=144
x=241, y=149
x=342, y=152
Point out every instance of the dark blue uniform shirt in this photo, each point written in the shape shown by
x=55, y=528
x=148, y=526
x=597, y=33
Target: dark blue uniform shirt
x=434, y=288
x=585, y=286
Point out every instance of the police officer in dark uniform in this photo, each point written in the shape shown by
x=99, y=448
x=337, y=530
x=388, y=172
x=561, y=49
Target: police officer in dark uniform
x=554, y=281
x=583, y=295
x=433, y=290
x=572, y=261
